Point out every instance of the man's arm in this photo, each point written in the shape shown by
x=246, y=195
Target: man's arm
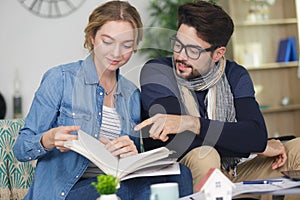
x=246, y=135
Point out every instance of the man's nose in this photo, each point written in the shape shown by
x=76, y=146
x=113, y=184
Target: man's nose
x=182, y=54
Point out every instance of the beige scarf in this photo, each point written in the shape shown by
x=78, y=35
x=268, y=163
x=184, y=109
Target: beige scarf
x=219, y=99
x=219, y=103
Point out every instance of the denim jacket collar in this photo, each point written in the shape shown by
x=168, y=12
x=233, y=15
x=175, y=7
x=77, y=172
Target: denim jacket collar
x=89, y=70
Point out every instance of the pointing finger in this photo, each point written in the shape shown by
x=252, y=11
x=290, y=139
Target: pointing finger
x=143, y=124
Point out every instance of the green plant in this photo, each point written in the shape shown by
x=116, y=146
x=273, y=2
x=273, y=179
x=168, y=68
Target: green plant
x=163, y=24
x=106, y=184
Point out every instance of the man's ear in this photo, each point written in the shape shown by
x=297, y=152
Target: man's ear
x=219, y=53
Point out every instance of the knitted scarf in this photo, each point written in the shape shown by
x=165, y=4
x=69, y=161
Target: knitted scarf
x=218, y=102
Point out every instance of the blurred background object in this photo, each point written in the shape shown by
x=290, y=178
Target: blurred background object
x=2, y=107
x=17, y=97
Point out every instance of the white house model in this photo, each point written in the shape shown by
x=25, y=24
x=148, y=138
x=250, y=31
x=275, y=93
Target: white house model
x=215, y=186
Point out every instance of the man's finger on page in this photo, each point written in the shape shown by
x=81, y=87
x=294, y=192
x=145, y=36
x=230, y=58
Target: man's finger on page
x=143, y=124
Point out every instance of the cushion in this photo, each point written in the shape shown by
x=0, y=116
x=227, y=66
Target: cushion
x=15, y=176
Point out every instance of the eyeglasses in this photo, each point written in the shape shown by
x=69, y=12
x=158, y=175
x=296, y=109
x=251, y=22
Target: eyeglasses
x=192, y=51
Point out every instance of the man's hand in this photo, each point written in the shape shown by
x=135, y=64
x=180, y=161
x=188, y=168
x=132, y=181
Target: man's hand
x=275, y=149
x=165, y=124
x=56, y=137
x=122, y=146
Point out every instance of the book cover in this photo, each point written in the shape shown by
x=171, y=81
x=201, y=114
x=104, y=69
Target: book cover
x=149, y=163
x=287, y=50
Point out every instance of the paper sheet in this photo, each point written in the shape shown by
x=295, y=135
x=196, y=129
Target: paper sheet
x=256, y=189
x=264, y=188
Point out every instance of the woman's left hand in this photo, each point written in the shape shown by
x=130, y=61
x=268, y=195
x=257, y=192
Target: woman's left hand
x=122, y=146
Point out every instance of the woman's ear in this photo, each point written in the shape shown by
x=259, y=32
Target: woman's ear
x=219, y=53
x=92, y=40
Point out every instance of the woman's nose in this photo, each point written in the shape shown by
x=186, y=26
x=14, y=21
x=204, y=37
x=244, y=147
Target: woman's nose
x=117, y=51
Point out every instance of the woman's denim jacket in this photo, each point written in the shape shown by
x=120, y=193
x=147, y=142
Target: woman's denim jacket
x=70, y=95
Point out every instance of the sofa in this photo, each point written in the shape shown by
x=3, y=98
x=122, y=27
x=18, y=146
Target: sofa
x=15, y=176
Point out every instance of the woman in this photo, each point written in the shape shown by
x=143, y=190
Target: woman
x=89, y=95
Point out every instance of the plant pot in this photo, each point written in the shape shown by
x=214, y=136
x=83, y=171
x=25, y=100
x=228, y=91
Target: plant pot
x=108, y=197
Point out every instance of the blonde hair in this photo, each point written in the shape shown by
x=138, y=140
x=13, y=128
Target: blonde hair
x=113, y=11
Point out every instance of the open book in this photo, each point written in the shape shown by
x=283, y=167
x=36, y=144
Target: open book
x=150, y=163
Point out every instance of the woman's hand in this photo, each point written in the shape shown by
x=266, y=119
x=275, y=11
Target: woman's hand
x=275, y=149
x=122, y=146
x=56, y=137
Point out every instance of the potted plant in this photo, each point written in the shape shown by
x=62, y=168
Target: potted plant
x=106, y=186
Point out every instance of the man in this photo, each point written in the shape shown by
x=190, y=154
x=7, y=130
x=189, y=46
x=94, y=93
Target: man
x=203, y=106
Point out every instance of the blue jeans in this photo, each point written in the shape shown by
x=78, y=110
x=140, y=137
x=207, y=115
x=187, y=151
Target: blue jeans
x=136, y=188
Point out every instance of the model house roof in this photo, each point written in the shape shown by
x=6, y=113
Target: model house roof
x=211, y=177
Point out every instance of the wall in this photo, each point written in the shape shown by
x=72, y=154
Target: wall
x=30, y=45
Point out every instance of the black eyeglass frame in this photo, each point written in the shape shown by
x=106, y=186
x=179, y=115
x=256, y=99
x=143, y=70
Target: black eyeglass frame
x=201, y=50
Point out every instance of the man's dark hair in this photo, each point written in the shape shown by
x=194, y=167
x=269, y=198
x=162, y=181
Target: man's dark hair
x=212, y=23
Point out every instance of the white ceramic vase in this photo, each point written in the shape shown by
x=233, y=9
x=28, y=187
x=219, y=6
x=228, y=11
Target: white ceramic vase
x=108, y=197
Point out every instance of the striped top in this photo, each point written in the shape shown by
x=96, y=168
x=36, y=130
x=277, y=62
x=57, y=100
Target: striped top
x=111, y=124
x=111, y=129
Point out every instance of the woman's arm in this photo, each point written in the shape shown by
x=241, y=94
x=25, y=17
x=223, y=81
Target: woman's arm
x=41, y=117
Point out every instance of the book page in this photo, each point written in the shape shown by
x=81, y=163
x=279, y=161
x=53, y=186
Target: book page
x=160, y=163
x=96, y=152
x=135, y=162
x=155, y=171
x=76, y=146
x=104, y=159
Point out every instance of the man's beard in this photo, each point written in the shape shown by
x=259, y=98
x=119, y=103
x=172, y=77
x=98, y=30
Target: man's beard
x=194, y=73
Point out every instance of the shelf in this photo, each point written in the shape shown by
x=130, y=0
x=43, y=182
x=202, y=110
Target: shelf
x=267, y=66
x=268, y=22
x=254, y=45
x=293, y=107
